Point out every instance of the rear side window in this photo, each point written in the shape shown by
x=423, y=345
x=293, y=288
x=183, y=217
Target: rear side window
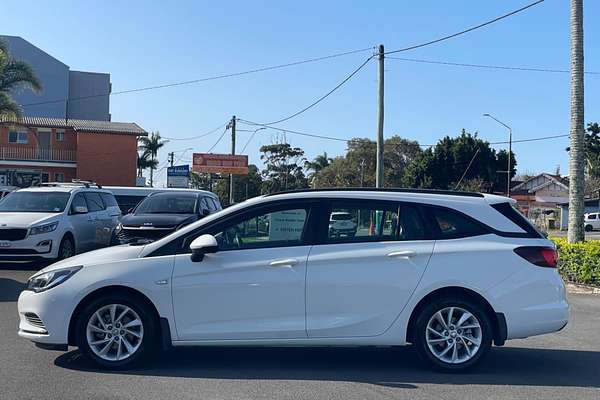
x=217, y=204
x=109, y=200
x=94, y=201
x=210, y=204
x=453, y=225
x=519, y=219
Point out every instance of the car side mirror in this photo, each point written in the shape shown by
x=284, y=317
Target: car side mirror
x=80, y=210
x=202, y=245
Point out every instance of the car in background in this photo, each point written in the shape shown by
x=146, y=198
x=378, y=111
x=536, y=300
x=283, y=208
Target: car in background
x=342, y=223
x=5, y=190
x=162, y=213
x=591, y=221
x=56, y=221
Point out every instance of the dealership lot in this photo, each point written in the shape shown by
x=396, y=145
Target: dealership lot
x=558, y=366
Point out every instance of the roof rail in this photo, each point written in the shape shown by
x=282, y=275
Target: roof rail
x=74, y=182
x=393, y=190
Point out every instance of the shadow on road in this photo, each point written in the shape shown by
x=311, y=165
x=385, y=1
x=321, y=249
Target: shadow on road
x=398, y=367
x=10, y=289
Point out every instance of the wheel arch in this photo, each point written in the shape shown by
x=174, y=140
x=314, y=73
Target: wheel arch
x=71, y=236
x=162, y=323
x=497, y=319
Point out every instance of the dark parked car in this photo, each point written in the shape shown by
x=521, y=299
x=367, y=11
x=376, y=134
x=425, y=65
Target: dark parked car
x=161, y=213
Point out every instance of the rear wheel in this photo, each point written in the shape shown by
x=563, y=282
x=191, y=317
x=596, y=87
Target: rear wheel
x=589, y=228
x=453, y=335
x=116, y=332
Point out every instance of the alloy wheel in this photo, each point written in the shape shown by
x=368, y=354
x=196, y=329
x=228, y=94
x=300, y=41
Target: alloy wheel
x=453, y=335
x=114, y=332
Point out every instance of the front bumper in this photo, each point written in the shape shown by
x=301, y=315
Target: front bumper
x=43, y=317
x=32, y=248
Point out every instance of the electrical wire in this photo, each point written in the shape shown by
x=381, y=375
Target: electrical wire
x=295, y=132
x=443, y=38
x=211, y=78
x=503, y=67
x=199, y=136
x=218, y=140
x=320, y=99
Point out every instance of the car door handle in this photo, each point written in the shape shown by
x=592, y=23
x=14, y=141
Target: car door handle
x=403, y=253
x=288, y=262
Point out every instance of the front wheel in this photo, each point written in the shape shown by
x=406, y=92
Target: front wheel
x=589, y=228
x=453, y=335
x=66, y=248
x=115, y=332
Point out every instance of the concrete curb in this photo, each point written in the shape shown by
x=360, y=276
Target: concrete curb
x=582, y=289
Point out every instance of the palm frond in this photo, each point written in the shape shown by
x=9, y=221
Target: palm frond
x=8, y=107
x=19, y=74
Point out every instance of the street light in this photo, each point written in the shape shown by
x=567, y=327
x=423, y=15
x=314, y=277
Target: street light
x=251, y=136
x=509, y=150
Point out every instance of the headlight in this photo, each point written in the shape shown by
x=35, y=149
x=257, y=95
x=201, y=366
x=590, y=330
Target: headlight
x=39, y=283
x=119, y=228
x=36, y=230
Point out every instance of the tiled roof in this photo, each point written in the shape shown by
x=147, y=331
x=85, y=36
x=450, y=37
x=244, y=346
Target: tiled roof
x=79, y=125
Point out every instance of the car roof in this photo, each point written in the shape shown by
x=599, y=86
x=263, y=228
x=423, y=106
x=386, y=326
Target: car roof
x=143, y=190
x=60, y=188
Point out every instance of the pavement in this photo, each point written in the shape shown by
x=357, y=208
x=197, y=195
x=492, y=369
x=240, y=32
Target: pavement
x=594, y=235
x=563, y=365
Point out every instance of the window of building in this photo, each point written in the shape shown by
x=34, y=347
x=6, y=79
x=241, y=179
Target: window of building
x=59, y=177
x=60, y=136
x=17, y=137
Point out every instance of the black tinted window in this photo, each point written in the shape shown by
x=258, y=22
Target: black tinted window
x=453, y=225
x=109, y=200
x=128, y=202
x=94, y=202
x=210, y=204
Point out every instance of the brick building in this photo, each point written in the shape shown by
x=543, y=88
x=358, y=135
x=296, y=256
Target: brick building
x=34, y=149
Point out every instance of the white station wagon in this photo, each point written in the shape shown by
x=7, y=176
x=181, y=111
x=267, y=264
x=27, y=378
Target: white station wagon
x=449, y=272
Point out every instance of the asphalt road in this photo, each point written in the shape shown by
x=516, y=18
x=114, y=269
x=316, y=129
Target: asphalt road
x=565, y=365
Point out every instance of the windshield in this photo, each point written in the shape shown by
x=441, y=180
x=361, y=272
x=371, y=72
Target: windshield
x=53, y=202
x=167, y=204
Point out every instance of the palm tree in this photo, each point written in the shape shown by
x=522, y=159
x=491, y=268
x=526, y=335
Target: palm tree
x=150, y=146
x=14, y=75
x=143, y=163
x=317, y=164
x=577, y=148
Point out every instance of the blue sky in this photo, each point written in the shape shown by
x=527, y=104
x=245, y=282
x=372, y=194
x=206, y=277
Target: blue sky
x=145, y=43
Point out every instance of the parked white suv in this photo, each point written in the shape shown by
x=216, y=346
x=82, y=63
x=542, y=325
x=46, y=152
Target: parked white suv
x=591, y=221
x=449, y=272
x=55, y=221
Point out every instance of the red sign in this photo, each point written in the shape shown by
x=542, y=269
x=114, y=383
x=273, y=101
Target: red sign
x=220, y=163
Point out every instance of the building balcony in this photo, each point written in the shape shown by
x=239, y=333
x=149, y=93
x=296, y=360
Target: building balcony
x=37, y=154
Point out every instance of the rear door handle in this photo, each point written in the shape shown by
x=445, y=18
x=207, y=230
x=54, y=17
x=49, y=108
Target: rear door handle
x=403, y=253
x=288, y=262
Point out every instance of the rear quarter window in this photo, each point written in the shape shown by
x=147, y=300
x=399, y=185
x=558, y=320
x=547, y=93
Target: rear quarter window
x=454, y=225
x=517, y=218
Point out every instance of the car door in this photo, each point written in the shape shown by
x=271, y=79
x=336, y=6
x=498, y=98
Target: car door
x=84, y=226
x=357, y=284
x=253, y=287
x=98, y=216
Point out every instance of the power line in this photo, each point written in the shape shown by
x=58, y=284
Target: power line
x=211, y=78
x=503, y=67
x=199, y=136
x=320, y=99
x=218, y=140
x=443, y=38
x=294, y=132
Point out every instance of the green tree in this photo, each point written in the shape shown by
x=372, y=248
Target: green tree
x=14, y=75
x=246, y=186
x=144, y=162
x=150, y=145
x=283, y=167
x=316, y=165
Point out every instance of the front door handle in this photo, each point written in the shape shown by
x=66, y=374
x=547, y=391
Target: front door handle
x=288, y=262
x=403, y=253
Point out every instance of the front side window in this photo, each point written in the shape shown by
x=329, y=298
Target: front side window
x=53, y=202
x=272, y=229
x=592, y=216
x=94, y=201
x=350, y=223
x=17, y=137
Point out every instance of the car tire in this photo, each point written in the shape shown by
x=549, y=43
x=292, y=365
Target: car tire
x=589, y=228
x=131, y=338
x=66, y=248
x=457, y=345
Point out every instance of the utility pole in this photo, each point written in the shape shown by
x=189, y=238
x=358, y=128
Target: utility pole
x=231, y=187
x=379, y=165
x=171, y=158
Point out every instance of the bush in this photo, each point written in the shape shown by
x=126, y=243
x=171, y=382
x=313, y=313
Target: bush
x=579, y=262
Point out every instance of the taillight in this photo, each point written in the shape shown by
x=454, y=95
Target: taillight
x=539, y=255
